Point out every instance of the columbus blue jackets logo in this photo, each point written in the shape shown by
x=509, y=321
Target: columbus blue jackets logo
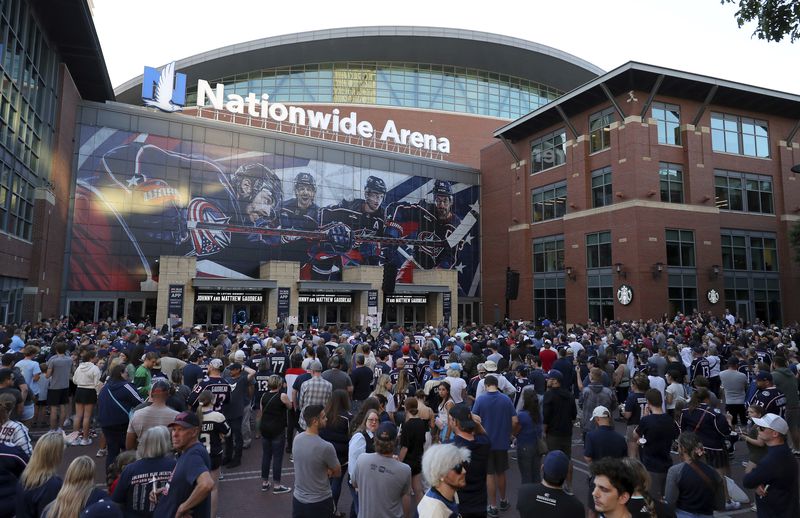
x=207, y=242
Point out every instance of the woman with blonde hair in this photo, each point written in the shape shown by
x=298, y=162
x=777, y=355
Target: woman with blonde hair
x=39, y=483
x=384, y=387
x=77, y=492
x=152, y=470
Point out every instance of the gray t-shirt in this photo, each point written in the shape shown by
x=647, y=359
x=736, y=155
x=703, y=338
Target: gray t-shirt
x=62, y=370
x=382, y=482
x=337, y=378
x=313, y=456
x=735, y=385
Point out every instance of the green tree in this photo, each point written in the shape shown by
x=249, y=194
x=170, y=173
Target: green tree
x=774, y=19
x=794, y=241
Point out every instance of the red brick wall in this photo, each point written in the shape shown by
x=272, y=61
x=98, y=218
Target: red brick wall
x=637, y=232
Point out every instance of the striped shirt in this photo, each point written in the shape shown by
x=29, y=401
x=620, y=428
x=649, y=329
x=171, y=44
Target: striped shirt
x=14, y=433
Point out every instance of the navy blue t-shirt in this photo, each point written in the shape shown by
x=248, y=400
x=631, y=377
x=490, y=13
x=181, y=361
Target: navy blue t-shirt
x=192, y=374
x=136, y=482
x=191, y=464
x=604, y=442
x=635, y=404
x=472, y=497
x=659, y=430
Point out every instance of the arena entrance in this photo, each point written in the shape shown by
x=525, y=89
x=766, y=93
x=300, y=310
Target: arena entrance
x=319, y=309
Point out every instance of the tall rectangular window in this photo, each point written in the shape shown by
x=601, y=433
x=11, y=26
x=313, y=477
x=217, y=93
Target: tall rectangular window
x=549, y=297
x=671, y=181
x=743, y=192
x=680, y=248
x=763, y=254
x=600, y=295
x=668, y=122
x=599, y=129
x=734, y=252
x=739, y=135
x=550, y=202
x=549, y=151
x=601, y=187
x=598, y=250
x=682, y=290
x=548, y=254
x=549, y=294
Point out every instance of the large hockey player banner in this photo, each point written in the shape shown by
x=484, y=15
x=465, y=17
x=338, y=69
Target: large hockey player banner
x=140, y=196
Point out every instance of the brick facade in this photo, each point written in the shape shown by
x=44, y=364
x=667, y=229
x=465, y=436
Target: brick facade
x=636, y=217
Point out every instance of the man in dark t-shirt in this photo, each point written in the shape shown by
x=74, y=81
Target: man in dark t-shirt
x=189, y=488
x=361, y=377
x=547, y=499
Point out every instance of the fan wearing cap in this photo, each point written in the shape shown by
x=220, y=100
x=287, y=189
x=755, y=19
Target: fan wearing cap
x=503, y=384
x=213, y=383
x=775, y=477
x=383, y=483
x=189, y=488
x=547, y=499
x=157, y=413
x=768, y=395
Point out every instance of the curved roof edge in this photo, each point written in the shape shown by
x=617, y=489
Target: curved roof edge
x=372, y=31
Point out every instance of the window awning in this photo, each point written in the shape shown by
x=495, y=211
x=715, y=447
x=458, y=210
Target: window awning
x=333, y=286
x=420, y=288
x=238, y=284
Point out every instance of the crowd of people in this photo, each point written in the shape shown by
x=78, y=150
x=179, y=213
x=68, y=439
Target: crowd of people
x=412, y=422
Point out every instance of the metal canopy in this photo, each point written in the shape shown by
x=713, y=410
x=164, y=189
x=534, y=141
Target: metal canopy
x=420, y=288
x=333, y=286
x=238, y=284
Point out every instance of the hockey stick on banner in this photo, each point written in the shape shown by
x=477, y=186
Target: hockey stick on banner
x=311, y=235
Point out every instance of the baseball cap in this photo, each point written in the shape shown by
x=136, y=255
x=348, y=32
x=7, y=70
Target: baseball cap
x=195, y=355
x=555, y=374
x=556, y=466
x=387, y=431
x=103, y=508
x=185, y=420
x=600, y=411
x=773, y=422
x=406, y=349
x=463, y=416
x=216, y=363
x=763, y=376
x=316, y=366
x=490, y=366
x=239, y=355
x=455, y=366
x=235, y=366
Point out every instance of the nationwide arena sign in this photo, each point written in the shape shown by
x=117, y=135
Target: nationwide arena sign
x=166, y=90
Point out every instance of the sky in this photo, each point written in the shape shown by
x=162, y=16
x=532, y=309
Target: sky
x=699, y=36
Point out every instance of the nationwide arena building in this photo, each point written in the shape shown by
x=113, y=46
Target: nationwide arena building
x=383, y=174
x=327, y=177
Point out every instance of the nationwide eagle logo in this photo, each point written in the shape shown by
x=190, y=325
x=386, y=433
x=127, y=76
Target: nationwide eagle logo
x=164, y=89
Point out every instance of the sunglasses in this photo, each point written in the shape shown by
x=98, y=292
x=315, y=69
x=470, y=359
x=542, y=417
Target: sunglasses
x=460, y=467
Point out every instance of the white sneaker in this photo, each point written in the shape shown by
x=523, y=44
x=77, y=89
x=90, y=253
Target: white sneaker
x=732, y=505
x=86, y=442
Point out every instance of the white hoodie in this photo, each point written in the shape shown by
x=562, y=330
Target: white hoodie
x=87, y=375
